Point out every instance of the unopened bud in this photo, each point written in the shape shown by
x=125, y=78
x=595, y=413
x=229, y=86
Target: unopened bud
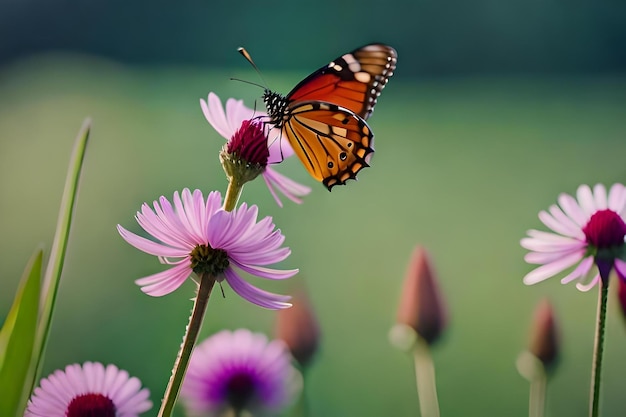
x=421, y=304
x=299, y=328
x=544, y=338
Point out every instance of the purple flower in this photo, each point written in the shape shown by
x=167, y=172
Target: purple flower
x=588, y=231
x=237, y=125
x=240, y=371
x=200, y=237
x=89, y=391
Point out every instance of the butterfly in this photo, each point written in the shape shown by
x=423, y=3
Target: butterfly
x=324, y=116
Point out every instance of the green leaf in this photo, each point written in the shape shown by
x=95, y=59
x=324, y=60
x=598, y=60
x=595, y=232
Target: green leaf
x=59, y=245
x=17, y=338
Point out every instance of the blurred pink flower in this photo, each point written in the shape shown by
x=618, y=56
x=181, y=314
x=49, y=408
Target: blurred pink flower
x=201, y=237
x=89, y=390
x=589, y=230
x=240, y=371
x=232, y=123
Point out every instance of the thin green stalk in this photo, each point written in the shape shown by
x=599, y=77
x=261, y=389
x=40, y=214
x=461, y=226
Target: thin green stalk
x=233, y=192
x=189, y=340
x=425, y=378
x=598, y=350
x=537, y=398
x=301, y=408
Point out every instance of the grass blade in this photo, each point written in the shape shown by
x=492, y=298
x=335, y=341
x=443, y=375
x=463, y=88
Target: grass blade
x=17, y=339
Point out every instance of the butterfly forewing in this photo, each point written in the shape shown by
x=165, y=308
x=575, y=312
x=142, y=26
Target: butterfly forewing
x=332, y=142
x=353, y=80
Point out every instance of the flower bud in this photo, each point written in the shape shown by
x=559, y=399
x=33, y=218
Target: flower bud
x=544, y=338
x=298, y=328
x=421, y=304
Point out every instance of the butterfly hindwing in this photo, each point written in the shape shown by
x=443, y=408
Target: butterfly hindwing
x=332, y=142
x=353, y=80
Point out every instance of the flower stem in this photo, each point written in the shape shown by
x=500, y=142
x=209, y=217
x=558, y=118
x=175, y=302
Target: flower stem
x=598, y=349
x=537, y=399
x=233, y=192
x=425, y=378
x=189, y=340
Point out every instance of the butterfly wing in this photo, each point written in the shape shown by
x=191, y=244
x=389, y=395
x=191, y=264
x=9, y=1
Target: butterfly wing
x=353, y=81
x=332, y=142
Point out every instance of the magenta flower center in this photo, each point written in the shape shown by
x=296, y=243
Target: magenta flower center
x=250, y=143
x=91, y=405
x=205, y=259
x=240, y=390
x=605, y=230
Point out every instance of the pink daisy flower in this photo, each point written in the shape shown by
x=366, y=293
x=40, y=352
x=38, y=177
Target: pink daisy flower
x=91, y=390
x=237, y=125
x=588, y=233
x=200, y=237
x=240, y=371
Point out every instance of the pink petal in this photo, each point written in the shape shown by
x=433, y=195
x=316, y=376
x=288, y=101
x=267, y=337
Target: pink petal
x=567, y=226
x=150, y=247
x=237, y=112
x=289, y=188
x=599, y=195
x=572, y=209
x=586, y=287
x=548, y=270
x=617, y=199
x=586, y=200
x=214, y=113
x=165, y=282
x=580, y=271
x=548, y=257
x=255, y=295
x=262, y=272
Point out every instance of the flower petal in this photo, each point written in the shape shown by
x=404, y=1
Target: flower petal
x=580, y=271
x=255, y=295
x=586, y=287
x=548, y=270
x=573, y=210
x=267, y=272
x=599, y=196
x=289, y=188
x=165, y=282
x=150, y=247
x=617, y=199
x=214, y=113
x=586, y=200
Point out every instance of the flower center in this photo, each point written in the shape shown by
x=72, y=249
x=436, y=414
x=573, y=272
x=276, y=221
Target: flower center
x=250, y=143
x=91, y=405
x=605, y=230
x=240, y=390
x=205, y=259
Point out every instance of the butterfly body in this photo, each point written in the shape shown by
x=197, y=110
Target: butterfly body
x=324, y=116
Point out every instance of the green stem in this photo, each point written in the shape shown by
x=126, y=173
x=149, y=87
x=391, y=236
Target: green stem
x=425, y=378
x=537, y=400
x=189, y=340
x=301, y=409
x=233, y=192
x=598, y=349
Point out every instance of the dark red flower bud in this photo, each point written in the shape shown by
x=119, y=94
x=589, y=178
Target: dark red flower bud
x=421, y=304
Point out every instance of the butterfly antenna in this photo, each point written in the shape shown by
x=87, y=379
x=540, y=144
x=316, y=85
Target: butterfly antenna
x=248, y=58
x=247, y=82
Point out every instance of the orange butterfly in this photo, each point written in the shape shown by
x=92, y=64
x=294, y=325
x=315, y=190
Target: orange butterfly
x=324, y=116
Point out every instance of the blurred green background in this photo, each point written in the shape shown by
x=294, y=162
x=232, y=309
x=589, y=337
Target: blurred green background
x=495, y=108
